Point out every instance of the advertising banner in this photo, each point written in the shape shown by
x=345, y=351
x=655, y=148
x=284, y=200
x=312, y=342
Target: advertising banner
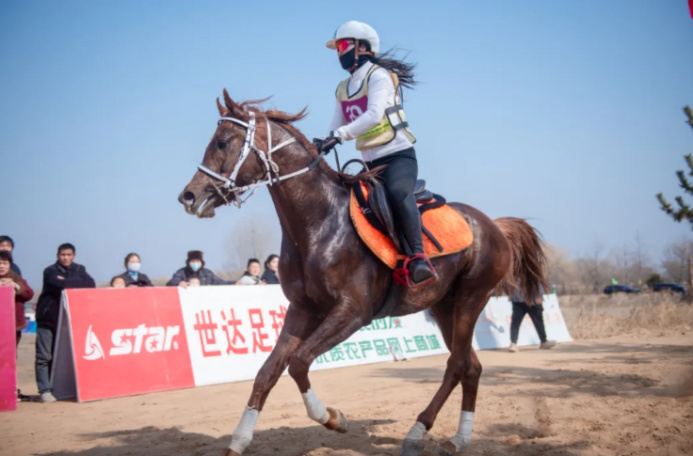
x=126, y=341
x=232, y=330
x=493, y=326
x=8, y=351
x=118, y=342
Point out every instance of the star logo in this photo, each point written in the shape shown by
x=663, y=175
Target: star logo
x=92, y=349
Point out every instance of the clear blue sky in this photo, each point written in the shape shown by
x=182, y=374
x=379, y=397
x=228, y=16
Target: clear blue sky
x=568, y=113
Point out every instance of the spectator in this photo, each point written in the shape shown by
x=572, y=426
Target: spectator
x=195, y=267
x=194, y=282
x=118, y=282
x=7, y=244
x=536, y=313
x=22, y=291
x=132, y=274
x=64, y=274
x=251, y=276
x=270, y=276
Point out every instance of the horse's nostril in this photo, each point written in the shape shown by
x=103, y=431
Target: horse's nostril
x=188, y=197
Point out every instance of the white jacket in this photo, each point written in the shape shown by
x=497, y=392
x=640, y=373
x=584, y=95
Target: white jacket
x=381, y=95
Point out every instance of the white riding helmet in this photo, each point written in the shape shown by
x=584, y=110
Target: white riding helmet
x=359, y=31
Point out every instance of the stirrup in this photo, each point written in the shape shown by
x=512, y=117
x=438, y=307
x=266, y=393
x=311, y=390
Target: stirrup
x=401, y=275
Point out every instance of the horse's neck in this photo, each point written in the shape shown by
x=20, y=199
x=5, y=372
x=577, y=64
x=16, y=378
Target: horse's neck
x=305, y=202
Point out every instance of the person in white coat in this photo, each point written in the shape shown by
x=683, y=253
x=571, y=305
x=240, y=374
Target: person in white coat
x=368, y=110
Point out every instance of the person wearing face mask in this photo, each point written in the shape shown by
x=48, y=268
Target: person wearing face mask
x=195, y=267
x=368, y=109
x=132, y=275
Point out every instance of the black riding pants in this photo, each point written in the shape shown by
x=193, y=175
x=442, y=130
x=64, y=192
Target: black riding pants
x=399, y=178
x=536, y=313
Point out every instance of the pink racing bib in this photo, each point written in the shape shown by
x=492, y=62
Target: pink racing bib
x=352, y=109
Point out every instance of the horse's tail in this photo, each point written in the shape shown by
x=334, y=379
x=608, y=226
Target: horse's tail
x=528, y=257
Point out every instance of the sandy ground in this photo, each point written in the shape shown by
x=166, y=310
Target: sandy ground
x=626, y=395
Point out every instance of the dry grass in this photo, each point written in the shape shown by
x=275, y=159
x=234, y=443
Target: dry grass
x=595, y=316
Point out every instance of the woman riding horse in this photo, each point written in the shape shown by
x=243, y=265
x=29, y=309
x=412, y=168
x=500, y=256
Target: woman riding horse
x=334, y=283
x=368, y=109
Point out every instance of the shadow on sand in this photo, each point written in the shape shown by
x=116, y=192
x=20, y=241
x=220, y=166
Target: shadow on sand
x=572, y=382
x=362, y=439
x=152, y=441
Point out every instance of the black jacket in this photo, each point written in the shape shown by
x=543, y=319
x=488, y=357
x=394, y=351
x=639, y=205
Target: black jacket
x=142, y=280
x=206, y=277
x=270, y=277
x=48, y=306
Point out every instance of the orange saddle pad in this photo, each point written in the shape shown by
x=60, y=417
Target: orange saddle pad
x=445, y=224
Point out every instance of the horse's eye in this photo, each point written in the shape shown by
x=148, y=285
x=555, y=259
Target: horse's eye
x=221, y=144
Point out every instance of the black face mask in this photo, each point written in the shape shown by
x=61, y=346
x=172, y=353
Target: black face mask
x=348, y=59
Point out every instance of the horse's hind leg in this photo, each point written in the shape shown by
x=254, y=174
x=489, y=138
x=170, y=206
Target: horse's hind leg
x=297, y=326
x=443, y=312
x=456, y=321
x=470, y=385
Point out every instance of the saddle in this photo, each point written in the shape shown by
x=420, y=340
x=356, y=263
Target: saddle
x=444, y=229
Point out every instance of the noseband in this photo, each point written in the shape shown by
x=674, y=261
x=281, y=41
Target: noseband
x=228, y=185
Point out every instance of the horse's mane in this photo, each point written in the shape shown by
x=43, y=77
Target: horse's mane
x=286, y=120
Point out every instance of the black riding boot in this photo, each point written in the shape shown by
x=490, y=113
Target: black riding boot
x=409, y=224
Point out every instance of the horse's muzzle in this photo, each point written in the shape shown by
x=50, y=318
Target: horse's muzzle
x=200, y=205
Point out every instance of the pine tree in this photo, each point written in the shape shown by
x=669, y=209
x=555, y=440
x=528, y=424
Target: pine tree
x=684, y=211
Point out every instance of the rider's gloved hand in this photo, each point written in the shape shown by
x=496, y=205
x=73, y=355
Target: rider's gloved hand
x=327, y=144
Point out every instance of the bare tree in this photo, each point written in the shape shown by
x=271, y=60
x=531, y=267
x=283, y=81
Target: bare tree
x=595, y=271
x=622, y=258
x=642, y=263
x=561, y=271
x=675, y=260
x=257, y=238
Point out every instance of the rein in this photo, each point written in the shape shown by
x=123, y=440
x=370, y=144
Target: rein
x=229, y=186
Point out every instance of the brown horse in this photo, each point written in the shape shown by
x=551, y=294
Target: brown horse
x=334, y=284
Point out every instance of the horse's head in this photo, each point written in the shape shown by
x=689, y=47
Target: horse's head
x=232, y=162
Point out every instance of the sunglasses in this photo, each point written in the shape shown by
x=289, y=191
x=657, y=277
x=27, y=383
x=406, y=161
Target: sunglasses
x=343, y=45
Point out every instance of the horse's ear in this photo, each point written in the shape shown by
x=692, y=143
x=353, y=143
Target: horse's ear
x=223, y=112
x=232, y=107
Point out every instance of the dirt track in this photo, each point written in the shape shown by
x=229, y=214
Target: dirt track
x=620, y=396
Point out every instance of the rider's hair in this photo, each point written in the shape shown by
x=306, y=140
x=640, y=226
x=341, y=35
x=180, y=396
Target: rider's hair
x=403, y=69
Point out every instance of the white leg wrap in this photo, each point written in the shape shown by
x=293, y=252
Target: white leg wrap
x=316, y=411
x=243, y=433
x=464, y=431
x=416, y=432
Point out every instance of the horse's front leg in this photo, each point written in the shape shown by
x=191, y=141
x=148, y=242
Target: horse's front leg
x=297, y=326
x=340, y=323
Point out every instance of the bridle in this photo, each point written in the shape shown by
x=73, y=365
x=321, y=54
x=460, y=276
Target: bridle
x=228, y=185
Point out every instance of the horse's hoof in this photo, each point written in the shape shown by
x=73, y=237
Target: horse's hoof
x=230, y=452
x=448, y=449
x=412, y=448
x=337, y=421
